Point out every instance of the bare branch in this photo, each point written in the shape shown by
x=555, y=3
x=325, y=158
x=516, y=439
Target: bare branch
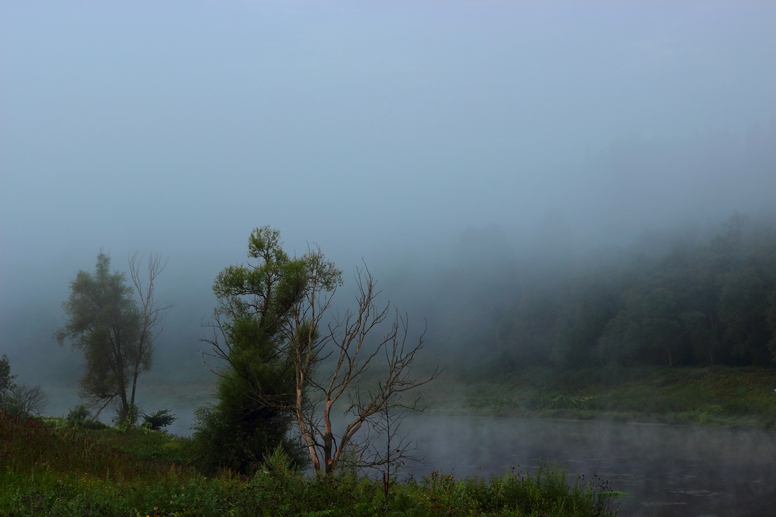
x=355, y=354
x=151, y=312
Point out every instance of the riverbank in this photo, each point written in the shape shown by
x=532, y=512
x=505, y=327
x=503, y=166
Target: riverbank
x=49, y=468
x=715, y=396
x=718, y=396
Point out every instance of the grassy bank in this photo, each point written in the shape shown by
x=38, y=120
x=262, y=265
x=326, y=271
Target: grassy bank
x=706, y=396
x=47, y=468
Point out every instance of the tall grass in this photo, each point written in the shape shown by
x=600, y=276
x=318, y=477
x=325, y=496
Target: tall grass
x=60, y=471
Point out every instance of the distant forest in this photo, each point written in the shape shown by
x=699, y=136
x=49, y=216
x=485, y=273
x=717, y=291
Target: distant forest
x=687, y=301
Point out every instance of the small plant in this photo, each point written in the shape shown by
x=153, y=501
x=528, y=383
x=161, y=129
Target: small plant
x=278, y=463
x=81, y=417
x=126, y=419
x=158, y=420
x=76, y=416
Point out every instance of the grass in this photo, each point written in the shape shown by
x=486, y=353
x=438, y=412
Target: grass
x=47, y=468
x=715, y=396
x=707, y=396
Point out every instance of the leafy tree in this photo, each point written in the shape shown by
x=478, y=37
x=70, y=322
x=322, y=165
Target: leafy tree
x=588, y=308
x=619, y=342
x=660, y=324
x=742, y=309
x=701, y=335
x=771, y=317
x=114, y=331
x=6, y=379
x=527, y=328
x=256, y=387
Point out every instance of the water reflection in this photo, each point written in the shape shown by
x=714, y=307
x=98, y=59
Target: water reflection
x=668, y=470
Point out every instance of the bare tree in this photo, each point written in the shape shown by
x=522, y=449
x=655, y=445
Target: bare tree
x=24, y=400
x=151, y=312
x=348, y=345
x=389, y=449
x=19, y=398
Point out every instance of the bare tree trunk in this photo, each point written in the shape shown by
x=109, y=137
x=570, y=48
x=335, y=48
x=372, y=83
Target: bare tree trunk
x=152, y=314
x=354, y=355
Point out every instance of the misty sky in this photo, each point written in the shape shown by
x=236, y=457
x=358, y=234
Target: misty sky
x=375, y=129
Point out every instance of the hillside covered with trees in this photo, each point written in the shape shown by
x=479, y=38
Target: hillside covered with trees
x=681, y=300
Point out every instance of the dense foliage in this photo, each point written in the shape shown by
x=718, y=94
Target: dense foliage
x=159, y=420
x=688, y=302
x=258, y=304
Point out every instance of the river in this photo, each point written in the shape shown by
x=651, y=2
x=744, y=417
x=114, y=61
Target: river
x=669, y=471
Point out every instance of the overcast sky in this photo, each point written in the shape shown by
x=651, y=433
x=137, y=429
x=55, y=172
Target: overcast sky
x=369, y=128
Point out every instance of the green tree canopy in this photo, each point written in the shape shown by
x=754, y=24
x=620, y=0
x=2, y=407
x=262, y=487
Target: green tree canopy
x=258, y=305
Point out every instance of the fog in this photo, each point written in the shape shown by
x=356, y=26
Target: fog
x=434, y=141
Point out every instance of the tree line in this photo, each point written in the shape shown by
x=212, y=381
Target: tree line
x=704, y=303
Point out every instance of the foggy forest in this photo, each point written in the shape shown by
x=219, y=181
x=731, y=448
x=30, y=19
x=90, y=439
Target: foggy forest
x=557, y=200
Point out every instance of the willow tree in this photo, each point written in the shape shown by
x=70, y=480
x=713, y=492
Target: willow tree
x=115, y=331
x=272, y=331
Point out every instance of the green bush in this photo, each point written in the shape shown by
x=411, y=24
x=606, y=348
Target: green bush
x=237, y=435
x=158, y=420
x=81, y=417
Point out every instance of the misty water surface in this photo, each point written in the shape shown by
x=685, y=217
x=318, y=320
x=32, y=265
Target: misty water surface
x=668, y=470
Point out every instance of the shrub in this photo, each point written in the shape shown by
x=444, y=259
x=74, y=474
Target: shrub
x=158, y=420
x=82, y=418
x=238, y=433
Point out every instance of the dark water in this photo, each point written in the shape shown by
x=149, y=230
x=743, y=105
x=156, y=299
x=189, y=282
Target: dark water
x=667, y=470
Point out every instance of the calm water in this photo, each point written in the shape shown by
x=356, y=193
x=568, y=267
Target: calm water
x=668, y=470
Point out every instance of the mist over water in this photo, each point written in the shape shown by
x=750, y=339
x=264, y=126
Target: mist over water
x=666, y=470
x=452, y=147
